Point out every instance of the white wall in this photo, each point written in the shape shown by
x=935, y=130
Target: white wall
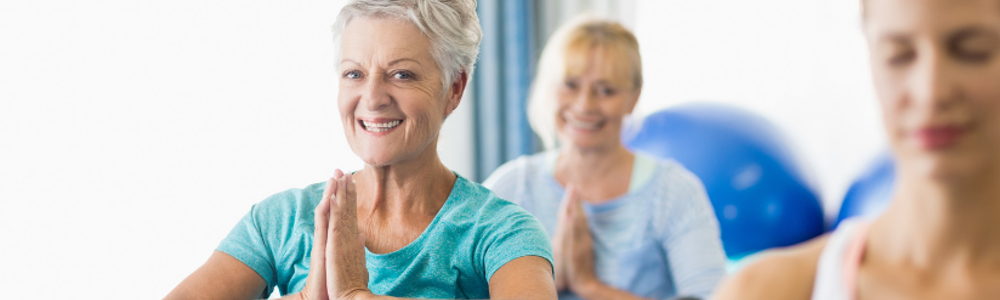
x=802, y=64
x=135, y=134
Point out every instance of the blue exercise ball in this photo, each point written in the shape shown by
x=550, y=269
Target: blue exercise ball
x=758, y=189
x=871, y=193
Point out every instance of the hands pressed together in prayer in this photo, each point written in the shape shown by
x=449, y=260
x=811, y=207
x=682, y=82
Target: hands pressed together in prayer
x=337, y=269
x=573, y=247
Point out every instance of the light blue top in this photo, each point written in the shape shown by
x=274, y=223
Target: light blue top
x=659, y=240
x=473, y=235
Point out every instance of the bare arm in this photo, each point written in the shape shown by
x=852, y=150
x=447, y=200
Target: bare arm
x=778, y=275
x=225, y=277
x=528, y=277
x=597, y=290
x=221, y=277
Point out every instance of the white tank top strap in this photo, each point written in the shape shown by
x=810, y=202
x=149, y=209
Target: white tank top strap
x=836, y=273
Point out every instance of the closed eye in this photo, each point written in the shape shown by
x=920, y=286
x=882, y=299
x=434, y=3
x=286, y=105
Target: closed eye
x=973, y=45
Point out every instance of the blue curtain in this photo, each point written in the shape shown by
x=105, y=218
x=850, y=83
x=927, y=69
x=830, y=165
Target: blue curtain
x=503, y=77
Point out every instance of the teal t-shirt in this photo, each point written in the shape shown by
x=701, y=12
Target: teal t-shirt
x=473, y=235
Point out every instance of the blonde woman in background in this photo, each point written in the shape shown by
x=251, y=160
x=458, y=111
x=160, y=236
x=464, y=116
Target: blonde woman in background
x=623, y=226
x=936, y=66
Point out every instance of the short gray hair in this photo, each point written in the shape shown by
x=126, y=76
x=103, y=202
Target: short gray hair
x=451, y=25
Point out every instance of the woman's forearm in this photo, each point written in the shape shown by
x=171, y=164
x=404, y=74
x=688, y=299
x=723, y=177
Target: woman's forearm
x=597, y=290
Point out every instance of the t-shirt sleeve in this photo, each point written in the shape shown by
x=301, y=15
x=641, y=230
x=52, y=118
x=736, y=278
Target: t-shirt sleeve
x=692, y=239
x=247, y=243
x=511, y=233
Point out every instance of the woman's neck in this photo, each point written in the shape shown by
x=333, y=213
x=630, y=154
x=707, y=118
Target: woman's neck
x=419, y=186
x=935, y=225
x=602, y=173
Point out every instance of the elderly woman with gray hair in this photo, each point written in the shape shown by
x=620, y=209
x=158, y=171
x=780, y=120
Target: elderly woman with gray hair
x=404, y=225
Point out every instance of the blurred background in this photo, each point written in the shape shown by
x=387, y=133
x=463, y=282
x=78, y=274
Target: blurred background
x=135, y=134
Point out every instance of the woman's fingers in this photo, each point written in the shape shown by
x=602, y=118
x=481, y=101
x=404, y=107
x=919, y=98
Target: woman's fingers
x=562, y=243
x=345, y=254
x=351, y=199
x=316, y=282
x=321, y=218
x=331, y=187
x=569, y=200
x=344, y=205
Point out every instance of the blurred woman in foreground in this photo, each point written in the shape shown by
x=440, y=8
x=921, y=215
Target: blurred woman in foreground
x=936, y=66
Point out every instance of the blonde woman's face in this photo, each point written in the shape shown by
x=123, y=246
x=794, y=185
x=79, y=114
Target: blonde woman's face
x=936, y=66
x=592, y=104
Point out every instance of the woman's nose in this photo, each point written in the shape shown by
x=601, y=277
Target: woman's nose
x=375, y=96
x=933, y=83
x=585, y=100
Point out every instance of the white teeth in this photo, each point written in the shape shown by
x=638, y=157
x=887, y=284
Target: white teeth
x=583, y=125
x=380, y=127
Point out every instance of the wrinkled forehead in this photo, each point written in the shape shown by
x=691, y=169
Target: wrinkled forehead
x=934, y=17
x=372, y=39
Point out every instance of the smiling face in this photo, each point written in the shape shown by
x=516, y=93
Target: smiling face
x=936, y=66
x=593, y=99
x=391, y=100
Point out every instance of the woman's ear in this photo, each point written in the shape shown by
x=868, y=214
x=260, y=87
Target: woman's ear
x=455, y=92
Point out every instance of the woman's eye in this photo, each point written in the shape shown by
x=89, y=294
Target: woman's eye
x=352, y=75
x=569, y=84
x=898, y=54
x=402, y=75
x=973, y=46
x=902, y=58
x=606, y=91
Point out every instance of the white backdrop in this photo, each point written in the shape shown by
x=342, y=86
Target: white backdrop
x=134, y=134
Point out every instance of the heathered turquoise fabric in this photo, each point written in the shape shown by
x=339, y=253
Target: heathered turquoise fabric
x=473, y=235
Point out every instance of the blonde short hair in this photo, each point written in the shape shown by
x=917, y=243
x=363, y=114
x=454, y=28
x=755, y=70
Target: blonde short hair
x=566, y=53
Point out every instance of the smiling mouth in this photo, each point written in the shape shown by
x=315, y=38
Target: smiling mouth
x=584, y=125
x=377, y=127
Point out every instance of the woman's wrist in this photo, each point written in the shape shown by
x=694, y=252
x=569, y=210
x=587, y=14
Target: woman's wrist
x=587, y=289
x=364, y=295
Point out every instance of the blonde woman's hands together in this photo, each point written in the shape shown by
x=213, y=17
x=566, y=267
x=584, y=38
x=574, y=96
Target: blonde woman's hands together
x=573, y=246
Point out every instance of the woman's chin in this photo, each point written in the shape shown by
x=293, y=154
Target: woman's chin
x=952, y=168
x=589, y=144
x=378, y=158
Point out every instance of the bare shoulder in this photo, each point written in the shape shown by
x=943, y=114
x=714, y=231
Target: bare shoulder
x=786, y=273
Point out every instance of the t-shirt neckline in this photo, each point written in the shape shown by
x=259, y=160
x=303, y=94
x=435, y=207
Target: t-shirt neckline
x=417, y=244
x=642, y=171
